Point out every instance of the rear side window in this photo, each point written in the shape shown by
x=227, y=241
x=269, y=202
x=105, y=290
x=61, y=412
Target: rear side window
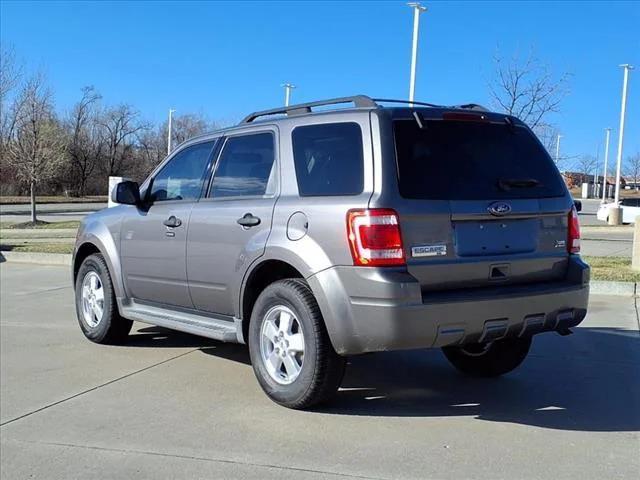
x=328, y=159
x=462, y=160
x=245, y=167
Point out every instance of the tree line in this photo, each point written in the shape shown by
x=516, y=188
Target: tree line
x=74, y=153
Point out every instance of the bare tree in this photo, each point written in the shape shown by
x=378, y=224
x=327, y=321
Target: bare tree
x=586, y=165
x=122, y=127
x=86, y=142
x=36, y=148
x=153, y=142
x=189, y=125
x=632, y=168
x=527, y=89
x=10, y=74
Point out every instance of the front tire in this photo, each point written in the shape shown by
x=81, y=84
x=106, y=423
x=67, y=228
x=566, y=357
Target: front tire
x=96, y=303
x=489, y=359
x=291, y=353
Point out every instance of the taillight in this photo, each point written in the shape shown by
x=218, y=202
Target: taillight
x=374, y=237
x=573, y=243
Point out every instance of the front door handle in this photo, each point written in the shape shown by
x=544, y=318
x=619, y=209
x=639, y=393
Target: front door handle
x=248, y=220
x=172, y=222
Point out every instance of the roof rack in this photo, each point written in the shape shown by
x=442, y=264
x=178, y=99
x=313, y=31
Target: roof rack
x=360, y=101
x=389, y=100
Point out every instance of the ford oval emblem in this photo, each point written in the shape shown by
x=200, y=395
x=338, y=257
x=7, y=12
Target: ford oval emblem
x=499, y=209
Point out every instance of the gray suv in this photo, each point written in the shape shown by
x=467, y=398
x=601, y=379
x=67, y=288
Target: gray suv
x=312, y=233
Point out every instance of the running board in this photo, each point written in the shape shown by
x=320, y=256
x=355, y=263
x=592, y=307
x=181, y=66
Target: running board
x=210, y=327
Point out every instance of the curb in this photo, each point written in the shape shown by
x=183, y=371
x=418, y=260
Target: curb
x=603, y=287
x=37, y=258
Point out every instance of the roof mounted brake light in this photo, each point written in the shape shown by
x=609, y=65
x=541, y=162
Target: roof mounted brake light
x=464, y=117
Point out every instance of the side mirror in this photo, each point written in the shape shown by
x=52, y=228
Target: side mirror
x=126, y=193
x=578, y=205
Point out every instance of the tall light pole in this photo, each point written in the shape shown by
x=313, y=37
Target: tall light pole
x=417, y=10
x=606, y=161
x=287, y=92
x=623, y=109
x=558, y=148
x=171, y=112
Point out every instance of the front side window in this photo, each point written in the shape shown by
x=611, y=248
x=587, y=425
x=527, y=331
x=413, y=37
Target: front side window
x=329, y=159
x=245, y=167
x=182, y=177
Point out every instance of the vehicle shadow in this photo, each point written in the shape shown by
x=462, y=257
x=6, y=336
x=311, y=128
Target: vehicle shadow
x=159, y=337
x=589, y=381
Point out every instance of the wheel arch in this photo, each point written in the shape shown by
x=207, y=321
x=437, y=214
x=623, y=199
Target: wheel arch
x=261, y=275
x=97, y=239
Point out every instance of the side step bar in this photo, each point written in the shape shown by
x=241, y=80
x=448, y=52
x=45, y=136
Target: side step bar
x=210, y=327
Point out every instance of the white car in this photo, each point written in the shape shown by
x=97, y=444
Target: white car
x=630, y=210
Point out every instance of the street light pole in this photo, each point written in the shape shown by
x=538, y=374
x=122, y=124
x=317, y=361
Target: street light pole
x=606, y=161
x=623, y=109
x=558, y=148
x=287, y=92
x=171, y=111
x=417, y=10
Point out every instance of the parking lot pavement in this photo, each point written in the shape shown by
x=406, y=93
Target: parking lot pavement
x=169, y=405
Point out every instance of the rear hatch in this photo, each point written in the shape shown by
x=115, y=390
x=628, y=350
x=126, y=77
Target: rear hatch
x=482, y=202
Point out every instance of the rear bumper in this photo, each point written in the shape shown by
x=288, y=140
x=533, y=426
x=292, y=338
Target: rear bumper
x=377, y=309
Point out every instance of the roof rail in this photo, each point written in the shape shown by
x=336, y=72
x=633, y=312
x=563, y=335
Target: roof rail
x=389, y=100
x=360, y=101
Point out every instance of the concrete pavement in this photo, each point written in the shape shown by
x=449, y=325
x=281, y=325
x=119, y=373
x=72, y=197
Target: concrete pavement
x=169, y=405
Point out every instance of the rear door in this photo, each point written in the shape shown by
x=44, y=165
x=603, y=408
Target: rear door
x=229, y=228
x=482, y=202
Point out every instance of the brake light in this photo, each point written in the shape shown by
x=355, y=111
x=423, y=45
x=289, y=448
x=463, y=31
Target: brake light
x=374, y=237
x=464, y=117
x=573, y=243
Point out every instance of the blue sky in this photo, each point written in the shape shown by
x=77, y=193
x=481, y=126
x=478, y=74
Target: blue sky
x=226, y=59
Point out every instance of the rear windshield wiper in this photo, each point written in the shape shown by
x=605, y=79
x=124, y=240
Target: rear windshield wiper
x=509, y=183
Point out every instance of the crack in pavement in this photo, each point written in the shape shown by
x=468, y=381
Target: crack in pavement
x=7, y=422
x=202, y=459
x=43, y=290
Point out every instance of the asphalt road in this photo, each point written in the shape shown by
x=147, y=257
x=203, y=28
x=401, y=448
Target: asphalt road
x=169, y=405
x=49, y=212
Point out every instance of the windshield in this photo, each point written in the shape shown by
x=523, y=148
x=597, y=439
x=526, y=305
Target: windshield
x=465, y=160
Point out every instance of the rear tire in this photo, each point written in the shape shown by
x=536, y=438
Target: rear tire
x=489, y=359
x=96, y=303
x=291, y=353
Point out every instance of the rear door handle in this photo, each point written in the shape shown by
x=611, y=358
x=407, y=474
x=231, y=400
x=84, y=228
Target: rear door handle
x=248, y=220
x=172, y=222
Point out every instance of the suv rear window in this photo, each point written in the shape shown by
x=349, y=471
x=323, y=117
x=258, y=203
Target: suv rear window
x=462, y=160
x=329, y=159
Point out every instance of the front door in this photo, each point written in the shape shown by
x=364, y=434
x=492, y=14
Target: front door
x=229, y=228
x=153, y=239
